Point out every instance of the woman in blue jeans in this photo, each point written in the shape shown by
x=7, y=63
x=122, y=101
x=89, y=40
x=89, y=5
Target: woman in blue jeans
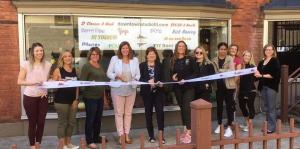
x=268, y=73
x=93, y=96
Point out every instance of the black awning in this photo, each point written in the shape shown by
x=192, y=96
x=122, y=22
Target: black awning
x=283, y=4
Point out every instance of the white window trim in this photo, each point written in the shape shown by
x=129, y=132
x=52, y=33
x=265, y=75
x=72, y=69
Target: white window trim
x=22, y=48
x=266, y=27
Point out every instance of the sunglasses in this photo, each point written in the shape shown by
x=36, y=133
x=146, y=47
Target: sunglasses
x=199, y=53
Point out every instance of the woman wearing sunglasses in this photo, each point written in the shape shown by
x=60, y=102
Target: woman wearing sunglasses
x=203, y=68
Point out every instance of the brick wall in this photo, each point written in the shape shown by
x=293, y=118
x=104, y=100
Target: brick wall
x=247, y=32
x=247, y=25
x=10, y=106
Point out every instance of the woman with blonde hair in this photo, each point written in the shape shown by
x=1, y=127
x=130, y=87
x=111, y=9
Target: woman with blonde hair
x=66, y=100
x=93, y=96
x=32, y=74
x=268, y=73
x=247, y=89
x=204, y=67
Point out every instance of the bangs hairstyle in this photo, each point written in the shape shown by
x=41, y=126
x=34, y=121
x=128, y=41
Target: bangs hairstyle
x=119, y=53
x=152, y=49
x=205, y=57
x=31, y=54
x=94, y=49
x=60, y=61
x=274, y=51
x=237, y=48
x=251, y=62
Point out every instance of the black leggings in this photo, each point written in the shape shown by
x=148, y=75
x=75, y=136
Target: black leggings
x=246, y=100
x=227, y=96
x=154, y=100
x=184, y=97
x=202, y=94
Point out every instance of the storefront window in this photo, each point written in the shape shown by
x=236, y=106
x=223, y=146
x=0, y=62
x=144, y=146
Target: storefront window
x=58, y=33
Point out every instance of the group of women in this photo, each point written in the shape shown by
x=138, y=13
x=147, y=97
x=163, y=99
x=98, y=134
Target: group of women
x=125, y=67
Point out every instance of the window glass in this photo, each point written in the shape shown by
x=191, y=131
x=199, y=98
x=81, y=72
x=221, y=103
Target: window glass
x=58, y=33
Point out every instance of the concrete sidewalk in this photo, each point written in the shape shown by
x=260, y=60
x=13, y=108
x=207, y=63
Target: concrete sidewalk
x=50, y=142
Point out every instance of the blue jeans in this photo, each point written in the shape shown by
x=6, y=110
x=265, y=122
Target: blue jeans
x=269, y=97
x=94, y=110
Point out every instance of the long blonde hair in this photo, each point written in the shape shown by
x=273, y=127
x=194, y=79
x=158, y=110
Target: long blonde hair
x=60, y=61
x=251, y=62
x=205, y=57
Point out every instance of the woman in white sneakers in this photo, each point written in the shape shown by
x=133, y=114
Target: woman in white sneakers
x=225, y=87
x=247, y=90
x=66, y=100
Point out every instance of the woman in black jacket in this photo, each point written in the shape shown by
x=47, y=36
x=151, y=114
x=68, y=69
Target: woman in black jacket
x=247, y=90
x=203, y=68
x=184, y=69
x=268, y=73
x=151, y=72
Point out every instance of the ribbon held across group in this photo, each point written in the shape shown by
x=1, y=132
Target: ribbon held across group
x=66, y=84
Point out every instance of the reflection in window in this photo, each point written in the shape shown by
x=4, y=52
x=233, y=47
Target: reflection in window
x=211, y=33
x=58, y=33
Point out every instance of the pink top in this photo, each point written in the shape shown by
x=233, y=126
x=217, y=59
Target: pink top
x=237, y=61
x=38, y=73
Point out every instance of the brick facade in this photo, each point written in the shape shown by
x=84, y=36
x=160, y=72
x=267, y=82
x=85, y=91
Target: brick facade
x=10, y=106
x=247, y=32
x=247, y=25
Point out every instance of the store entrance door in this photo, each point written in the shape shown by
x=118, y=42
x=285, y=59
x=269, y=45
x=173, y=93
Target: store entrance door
x=286, y=39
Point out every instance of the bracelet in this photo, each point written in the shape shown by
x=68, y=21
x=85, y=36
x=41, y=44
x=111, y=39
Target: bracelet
x=262, y=76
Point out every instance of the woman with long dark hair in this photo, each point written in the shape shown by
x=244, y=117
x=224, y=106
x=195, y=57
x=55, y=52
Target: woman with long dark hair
x=32, y=74
x=183, y=69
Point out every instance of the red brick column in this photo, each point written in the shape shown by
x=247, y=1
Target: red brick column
x=10, y=103
x=247, y=25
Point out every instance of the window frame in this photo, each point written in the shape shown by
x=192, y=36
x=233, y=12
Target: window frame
x=22, y=53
